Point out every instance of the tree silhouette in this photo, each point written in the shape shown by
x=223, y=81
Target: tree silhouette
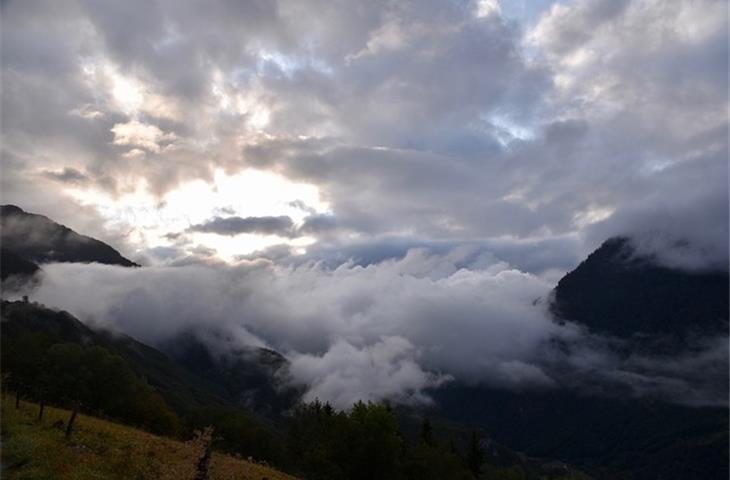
x=474, y=455
x=427, y=432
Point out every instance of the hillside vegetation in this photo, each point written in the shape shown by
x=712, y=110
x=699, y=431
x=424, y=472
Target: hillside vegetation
x=52, y=359
x=100, y=449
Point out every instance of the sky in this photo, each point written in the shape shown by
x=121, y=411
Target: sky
x=456, y=153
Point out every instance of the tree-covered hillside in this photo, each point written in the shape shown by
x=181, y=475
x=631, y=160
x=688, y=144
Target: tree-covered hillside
x=51, y=358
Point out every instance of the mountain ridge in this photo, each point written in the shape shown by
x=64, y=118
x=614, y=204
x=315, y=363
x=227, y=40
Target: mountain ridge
x=38, y=239
x=617, y=292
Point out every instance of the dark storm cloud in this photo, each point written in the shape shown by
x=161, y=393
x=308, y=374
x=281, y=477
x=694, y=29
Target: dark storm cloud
x=281, y=226
x=318, y=224
x=67, y=175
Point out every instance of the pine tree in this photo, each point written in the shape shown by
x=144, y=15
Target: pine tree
x=452, y=447
x=427, y=432
x=474, y=455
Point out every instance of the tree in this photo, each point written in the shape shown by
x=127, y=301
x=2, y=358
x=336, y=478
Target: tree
x=427, y=432
x=97, y=380
x=315, y=443
x=452, y=447
x=78, y=376
x=433, y=462
x=43, y=387
x=23, y=361
x=71, y=377
x=363, y=443
x=374, y=442
x=474, y=455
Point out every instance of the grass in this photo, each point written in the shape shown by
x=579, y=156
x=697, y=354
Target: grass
x=101, y=450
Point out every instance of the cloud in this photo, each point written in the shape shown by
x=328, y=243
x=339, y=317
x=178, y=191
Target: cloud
x=318, y=224
x=388, y=330
x=567, y=28
x=432, y=318
x=134, y=133
x=674, y=230
x=386, y=370
x=609, y=367
x=67, y=175
x=538, y=256
x=281, y=225
x=442, y=121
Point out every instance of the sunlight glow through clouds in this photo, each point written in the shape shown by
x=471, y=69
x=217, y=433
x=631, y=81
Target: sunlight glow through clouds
x=591, y=215
x=142, y=135
x=243, y=101
x=250, y=193
x=487, y=7
x=124, y=93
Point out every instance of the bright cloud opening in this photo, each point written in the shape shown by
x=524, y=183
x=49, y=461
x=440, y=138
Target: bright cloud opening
x=250, y=193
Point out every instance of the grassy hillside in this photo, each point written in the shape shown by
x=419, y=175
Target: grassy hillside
x=100, y=449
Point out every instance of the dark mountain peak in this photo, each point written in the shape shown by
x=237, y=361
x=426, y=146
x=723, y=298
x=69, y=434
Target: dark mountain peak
x=617, y=291
x=38, y=239
x=11, y=210
x=617, y=254
x=615, y=248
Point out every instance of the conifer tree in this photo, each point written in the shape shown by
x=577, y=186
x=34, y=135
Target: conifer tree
x=427, y=432
x=474, y=455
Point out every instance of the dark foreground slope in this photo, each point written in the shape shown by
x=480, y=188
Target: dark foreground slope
x=39, y=240
x=103, y=450
x=651, y=311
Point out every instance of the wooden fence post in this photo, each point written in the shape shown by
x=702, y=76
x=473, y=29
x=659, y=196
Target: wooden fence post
x=72, y=419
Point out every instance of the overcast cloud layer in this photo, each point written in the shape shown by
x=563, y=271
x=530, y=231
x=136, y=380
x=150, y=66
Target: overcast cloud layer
x=449, y=120
x=489, y=145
